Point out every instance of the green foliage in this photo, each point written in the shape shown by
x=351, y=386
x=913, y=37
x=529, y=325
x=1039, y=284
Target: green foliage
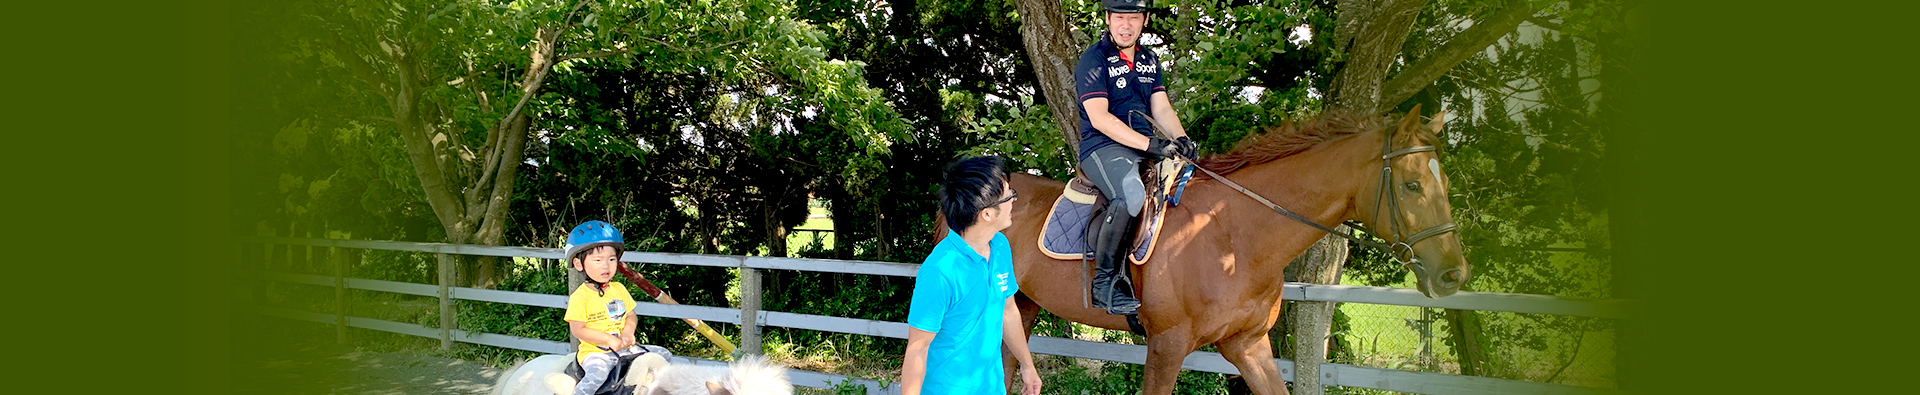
x=1244, y=65
x=518, y=320
x=1027, y=139
x=1123, y=378
x=848, y=387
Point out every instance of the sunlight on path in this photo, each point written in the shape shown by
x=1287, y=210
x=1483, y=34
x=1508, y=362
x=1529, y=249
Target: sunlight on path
x=348, y=371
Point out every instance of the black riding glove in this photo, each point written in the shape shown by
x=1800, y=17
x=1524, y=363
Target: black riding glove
x=1188, y=149
x=1161, y=148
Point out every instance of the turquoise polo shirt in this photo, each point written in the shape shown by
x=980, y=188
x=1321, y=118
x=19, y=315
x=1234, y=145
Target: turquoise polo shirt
x=961, y=297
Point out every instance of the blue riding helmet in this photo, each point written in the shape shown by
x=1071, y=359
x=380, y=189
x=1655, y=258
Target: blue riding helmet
x=593, y=234
x=1124, y=6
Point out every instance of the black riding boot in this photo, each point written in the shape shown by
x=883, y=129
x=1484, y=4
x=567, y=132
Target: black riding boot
x=1111, y=290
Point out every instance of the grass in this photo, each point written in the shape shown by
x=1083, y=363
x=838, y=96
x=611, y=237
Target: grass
x=1381, y=336
x=816, y=219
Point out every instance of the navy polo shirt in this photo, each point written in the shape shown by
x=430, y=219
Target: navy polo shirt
x=1128, y=85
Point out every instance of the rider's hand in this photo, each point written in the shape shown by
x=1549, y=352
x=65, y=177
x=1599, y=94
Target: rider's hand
x=1188, y=148
x=1162, y=148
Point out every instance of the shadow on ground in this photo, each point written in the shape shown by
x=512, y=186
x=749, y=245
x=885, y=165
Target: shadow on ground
x=345, y=370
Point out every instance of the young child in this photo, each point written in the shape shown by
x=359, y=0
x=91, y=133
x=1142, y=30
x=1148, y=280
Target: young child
x=600, y=311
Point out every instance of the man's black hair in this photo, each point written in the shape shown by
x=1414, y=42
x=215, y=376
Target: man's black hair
x=970, y=185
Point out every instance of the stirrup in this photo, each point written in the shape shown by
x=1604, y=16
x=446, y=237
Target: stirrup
x=1116, y=292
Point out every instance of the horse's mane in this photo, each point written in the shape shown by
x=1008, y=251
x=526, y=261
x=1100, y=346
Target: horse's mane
x=1292, y=138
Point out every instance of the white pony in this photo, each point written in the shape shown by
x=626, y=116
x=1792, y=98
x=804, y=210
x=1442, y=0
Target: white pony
x=750, y=375
x=653, y=375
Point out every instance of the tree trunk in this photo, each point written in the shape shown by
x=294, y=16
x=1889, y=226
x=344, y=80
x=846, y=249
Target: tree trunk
x=1624, y=137
x=1052, y=50
x=880, y=232
x=1370, y=33
x=469, y=195
x=776, y=232
x=1311, y=321
x=1418, y=74
x=842, y=240
x=1466, y=342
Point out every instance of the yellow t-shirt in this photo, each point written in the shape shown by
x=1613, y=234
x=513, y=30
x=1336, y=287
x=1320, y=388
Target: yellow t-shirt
x=603, y=313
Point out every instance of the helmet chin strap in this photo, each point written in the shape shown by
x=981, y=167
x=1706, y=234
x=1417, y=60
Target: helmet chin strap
x=1116, y=43
x=598, y=286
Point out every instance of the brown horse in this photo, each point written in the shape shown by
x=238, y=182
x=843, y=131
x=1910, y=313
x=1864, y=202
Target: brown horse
x=1216, y=275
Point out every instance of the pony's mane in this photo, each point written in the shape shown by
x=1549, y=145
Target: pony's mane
x=1292, y=138
x=754, y=375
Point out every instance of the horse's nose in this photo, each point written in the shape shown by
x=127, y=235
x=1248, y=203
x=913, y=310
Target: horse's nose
x=1452, y=278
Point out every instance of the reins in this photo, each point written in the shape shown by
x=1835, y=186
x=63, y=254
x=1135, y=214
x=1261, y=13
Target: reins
x=1386, y=194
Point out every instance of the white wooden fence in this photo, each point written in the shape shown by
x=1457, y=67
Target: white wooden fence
x=1332, y=373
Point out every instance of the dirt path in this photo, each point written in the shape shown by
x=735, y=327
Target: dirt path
x=340, y=370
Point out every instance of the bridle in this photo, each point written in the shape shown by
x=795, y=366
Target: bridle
x=1401, y=247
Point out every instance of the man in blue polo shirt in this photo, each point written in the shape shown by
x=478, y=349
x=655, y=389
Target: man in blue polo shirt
x=962, y=309
x=1120, y=86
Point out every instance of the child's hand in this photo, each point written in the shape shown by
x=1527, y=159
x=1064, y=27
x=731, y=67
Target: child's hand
x=619, y=342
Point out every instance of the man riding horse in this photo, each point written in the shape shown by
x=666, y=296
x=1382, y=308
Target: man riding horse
x=1119, y=85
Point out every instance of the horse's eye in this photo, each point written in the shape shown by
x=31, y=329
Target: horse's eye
x=1413, y=186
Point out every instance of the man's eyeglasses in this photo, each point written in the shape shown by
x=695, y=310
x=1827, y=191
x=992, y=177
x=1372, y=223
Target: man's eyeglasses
x=1011, y=194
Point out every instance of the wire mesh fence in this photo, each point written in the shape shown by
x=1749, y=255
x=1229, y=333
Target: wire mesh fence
x=1530, y=347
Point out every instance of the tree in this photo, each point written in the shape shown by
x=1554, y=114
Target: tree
x=458, y=81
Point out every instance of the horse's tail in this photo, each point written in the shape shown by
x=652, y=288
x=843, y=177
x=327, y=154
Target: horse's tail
x=939, y=226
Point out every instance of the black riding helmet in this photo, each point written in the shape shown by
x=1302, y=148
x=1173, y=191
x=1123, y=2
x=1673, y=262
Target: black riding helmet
x=1124, y=6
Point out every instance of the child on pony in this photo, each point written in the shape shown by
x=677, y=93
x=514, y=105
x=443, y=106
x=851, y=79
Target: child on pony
x=600, y=311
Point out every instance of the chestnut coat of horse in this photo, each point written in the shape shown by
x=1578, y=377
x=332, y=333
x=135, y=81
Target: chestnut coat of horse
x=1215, y=277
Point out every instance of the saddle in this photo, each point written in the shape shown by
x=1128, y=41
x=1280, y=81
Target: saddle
x=1064, y=236
x=616, y=378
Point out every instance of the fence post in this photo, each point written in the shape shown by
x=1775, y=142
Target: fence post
x=342, y=259
x=574, y=279
x=749, y=310
x=446, y=267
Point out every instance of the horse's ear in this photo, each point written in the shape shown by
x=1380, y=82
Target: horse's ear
x=1412, y=118
x=715, y=389
x=1439, y=120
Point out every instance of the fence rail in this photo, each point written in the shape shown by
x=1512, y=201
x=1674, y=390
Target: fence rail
x=1332, y=373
